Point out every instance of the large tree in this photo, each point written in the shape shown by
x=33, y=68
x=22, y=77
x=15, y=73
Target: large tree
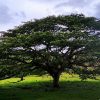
x=51, y=45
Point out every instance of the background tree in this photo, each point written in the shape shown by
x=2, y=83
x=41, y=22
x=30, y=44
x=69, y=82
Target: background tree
x=41, y=47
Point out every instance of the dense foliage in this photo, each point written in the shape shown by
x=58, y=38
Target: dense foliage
x=52, y=45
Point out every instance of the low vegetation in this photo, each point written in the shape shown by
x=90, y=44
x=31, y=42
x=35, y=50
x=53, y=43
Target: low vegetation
x=39, y=88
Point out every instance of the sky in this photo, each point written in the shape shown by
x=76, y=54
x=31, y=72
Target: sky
x=15, y=12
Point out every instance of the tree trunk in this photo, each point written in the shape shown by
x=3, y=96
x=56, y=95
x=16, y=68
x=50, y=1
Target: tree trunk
x=56, y=80
x=21, y=78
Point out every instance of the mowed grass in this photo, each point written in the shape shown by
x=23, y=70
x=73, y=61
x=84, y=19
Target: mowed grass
x=40, y=88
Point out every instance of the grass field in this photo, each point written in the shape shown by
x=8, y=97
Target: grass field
x=39, y=88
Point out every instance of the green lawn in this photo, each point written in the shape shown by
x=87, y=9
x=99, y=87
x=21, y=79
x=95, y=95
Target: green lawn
x=39, y=88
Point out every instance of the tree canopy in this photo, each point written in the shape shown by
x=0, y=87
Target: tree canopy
x=48, y=23
x=52, y=45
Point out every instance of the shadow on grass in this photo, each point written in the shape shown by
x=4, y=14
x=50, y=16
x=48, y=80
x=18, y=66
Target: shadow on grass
x=69, y=90
x=43, y=85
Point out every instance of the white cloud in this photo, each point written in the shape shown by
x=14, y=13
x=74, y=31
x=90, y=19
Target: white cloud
x=87, y=7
